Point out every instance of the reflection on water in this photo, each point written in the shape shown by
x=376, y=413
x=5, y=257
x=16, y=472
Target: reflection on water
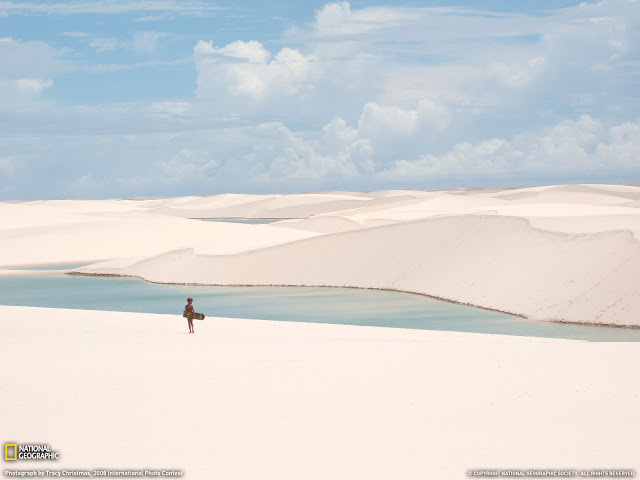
x=299, y=304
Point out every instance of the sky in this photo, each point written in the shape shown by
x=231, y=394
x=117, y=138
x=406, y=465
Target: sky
x=119, y=99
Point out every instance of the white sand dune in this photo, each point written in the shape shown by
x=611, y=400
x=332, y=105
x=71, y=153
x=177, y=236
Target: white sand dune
x=15, y=216
x=442, y=204
x=264, y=206
x=247, y=399
x=588, y=224
x=375, y=212
x=92, y=206
x=321, y=224
x=7, y=272
x=490, y=261
x=561, y=252
x=37, y=235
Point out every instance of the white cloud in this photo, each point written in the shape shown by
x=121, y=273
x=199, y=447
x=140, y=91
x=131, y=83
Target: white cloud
x=387, y=121
x=338, y=134
x=250, y=51
x=623, y=148
x=183, y=7
x=29, y=59
x=142, y=43
x=32, y=85
x=153, y=18
x=369, y=97
x=103, y=44
x=580, y=148
x=469, y=58
x=291, y=159
x=474, y=64
x=379, y=121
x=167, y=155
x=169, y=108
x=146, y=42
x=21, y=94
x=246, y=69
x=188, y=164
x=337, y=19
x=516, y=75
x=26, y=69
x=289, y=85
x=584, y=148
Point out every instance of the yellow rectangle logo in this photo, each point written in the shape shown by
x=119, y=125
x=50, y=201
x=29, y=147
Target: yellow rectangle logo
x=6, y=451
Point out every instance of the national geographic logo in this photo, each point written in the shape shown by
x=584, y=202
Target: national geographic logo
x=10, y=451
x=29, y=451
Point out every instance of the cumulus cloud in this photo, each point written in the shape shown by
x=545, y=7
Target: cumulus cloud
x=291, y=158
x=246, y=69
x=187, y=164
x=584, y=149
x=475, y=64
x=270, y=157
x=378, y=121
x=517, y=74
x=287, y=85
x=360, y=98
x=337, y=19
x=486, y=61
x=580, y=148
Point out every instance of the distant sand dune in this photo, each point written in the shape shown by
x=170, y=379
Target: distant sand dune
x=64, y=238
x=502, y=263
x=559, y=252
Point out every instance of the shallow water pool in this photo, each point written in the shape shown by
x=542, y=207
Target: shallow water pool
x=347, y=306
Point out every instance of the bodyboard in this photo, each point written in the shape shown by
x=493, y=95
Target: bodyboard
x=196, y=315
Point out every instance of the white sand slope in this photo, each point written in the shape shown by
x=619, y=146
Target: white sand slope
x=490, y=261
x=247, y=399
x=263, y=206
x=39, y=234
x=567, y=252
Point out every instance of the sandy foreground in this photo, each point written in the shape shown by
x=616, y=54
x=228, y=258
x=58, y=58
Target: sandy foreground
x=247, y=399
x=567, y=252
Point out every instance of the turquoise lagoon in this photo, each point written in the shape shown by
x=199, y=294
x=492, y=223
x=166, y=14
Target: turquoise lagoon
x=348, y=306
